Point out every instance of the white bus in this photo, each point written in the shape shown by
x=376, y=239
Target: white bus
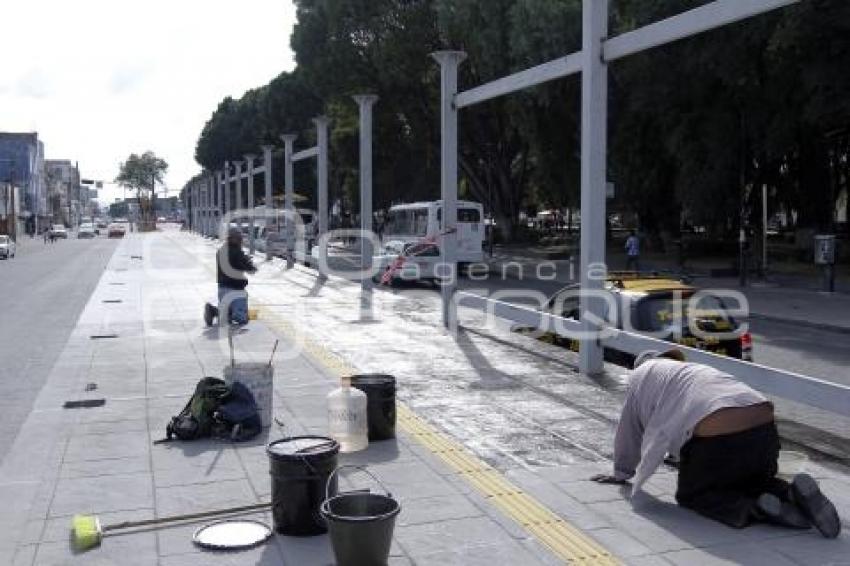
x=413, y=223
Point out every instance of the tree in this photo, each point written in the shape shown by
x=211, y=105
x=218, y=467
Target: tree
x=141, y=173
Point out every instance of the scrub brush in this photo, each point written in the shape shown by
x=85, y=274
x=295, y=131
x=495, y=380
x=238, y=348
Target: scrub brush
x=88, y=532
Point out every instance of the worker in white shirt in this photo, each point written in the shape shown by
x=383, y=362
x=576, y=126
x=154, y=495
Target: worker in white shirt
x=723, y=434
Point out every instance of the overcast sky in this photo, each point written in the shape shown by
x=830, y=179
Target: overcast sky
x=100, y=79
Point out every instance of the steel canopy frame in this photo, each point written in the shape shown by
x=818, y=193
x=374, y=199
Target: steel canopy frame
x=592, y=62
x=320, y=152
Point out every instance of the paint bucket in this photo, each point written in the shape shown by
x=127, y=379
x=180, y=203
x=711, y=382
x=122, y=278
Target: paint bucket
x=380, y=403
x=259, y=379
x=360, y=523
x=302, y=474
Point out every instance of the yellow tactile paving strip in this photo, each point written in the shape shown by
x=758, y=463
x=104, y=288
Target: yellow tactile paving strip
x=565, y=541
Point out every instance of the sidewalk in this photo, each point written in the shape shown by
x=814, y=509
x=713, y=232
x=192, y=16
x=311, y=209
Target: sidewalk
x=780, y=299
x=471, y=493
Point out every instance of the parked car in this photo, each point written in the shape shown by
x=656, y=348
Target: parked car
x=58, y=231
x=86, y=231
x=115, y=230
x=408, y=261
x=650, y=304
x=7, y=247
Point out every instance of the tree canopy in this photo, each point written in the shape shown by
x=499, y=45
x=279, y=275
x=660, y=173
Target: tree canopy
x=696, y=127
x=141, y=172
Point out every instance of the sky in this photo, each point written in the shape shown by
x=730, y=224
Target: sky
x=101, y=79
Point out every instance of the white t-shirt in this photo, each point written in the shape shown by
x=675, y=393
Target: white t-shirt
x=665, y=401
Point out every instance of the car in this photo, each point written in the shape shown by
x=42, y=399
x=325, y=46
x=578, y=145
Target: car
x=115, y=230
x=58, y=231
x=407, y=261
x=7, y=247
x=660, y=305
x=86, y=231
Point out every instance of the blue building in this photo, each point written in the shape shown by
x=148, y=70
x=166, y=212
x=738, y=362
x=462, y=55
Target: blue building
x=22, y=165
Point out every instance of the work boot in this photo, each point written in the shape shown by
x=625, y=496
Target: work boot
x=210, y=312
x=815, y=506
x=771, y=509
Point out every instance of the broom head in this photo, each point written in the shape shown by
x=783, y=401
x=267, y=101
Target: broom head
x=86, y=531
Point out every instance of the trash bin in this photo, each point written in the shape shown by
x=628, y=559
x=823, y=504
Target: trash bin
x=380, y=395
x=301, y=469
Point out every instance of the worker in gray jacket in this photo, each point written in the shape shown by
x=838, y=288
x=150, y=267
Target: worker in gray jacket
x=724, y=437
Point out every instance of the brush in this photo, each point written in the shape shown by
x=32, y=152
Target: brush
x=88, y=532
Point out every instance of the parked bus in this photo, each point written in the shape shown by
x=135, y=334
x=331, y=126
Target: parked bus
x=413, y=223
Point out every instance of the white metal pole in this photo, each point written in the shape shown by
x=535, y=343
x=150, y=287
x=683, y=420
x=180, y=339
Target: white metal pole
x=289, y=193
x=365, y=102
x=227, y=204
x=220, y=183
x=322, y=176
x=594, y=139
x=249, y=162
x=449, y=62
x=239, y=203
x=269, y=200
x=764, y=230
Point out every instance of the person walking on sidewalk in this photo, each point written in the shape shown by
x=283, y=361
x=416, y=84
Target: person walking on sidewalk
x=231, y=266
x=724, y=436
x=632, y=252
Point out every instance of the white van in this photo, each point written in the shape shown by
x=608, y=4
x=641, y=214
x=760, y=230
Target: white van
x=413, y=223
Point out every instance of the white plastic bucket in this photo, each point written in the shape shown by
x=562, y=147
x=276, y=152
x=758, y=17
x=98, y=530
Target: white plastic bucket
x=259, y=379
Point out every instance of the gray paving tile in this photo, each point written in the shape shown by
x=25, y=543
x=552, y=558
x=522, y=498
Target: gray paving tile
x=204, y=496
x=137, y=549
x=478, y=555
x=434, y=509
x=811, y=548
x=749, y=554
x=101, y=494
x=419, y=540
x=113, y=445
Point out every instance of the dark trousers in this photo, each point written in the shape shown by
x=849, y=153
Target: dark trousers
x=721, y=477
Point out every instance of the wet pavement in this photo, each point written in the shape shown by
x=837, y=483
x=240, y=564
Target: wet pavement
x=497, y=432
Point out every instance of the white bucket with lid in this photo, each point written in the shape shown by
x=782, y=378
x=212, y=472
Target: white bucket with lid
x=259, y=379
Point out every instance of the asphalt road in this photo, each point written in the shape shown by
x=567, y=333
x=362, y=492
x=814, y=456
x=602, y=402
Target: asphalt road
x=43, y=290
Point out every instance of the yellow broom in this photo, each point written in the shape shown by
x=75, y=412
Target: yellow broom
x=88, y=532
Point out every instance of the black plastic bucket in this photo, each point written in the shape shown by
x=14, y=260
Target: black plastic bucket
x=301, y=469
x=361, y=524
x=380, y=395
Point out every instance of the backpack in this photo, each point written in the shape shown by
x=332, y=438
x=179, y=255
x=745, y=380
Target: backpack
x=216, y=409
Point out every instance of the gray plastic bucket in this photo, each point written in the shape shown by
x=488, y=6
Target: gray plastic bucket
x=360, y=523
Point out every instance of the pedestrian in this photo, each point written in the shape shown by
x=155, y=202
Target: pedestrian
x=632, y=252
x=231, y=266
x=44, y=235
x=724, y=436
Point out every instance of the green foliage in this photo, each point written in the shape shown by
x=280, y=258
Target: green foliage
x=696, y=127
x=142, y=172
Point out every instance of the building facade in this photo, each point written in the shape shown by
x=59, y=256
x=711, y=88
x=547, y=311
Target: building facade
x=63, y=191
x=22, y=165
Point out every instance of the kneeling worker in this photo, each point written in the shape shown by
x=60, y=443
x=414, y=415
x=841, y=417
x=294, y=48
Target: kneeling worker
x=725, y=437
x=231, y=266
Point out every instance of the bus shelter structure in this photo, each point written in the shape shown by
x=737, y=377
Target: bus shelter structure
x=598, y=51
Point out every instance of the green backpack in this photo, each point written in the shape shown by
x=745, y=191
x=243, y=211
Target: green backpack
x=196, y=420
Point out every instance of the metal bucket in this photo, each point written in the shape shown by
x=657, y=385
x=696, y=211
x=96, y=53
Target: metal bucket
x=360, y=523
